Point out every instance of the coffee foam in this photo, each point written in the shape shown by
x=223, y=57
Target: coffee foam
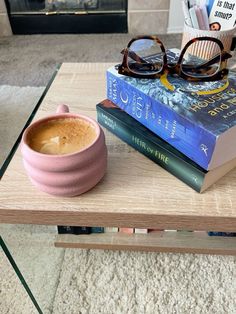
x=62, y=136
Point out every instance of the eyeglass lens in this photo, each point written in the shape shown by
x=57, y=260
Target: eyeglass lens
x=201, y=59
x=145, y=57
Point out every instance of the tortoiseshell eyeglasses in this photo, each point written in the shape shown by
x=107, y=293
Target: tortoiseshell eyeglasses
x=201, y=59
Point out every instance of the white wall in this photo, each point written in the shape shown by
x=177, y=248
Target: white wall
x=176, y=17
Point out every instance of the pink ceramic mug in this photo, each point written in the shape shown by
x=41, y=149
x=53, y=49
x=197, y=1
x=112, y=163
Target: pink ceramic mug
x=70, y=174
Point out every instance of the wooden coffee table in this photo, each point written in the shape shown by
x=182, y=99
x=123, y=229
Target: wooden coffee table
x=135, y=192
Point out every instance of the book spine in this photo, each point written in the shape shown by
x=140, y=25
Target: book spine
x=155, y=230
x=97, y=229
x=199, y=18
x=73, y=230
x=204, y=16
x=221, y=234
x=82, y=230
x=193, y=15
x=111, y=229
x=65, y=229
x=189, y=138
x=209, y=4
x=126, y=230
x=140, y=230
x=182, y=170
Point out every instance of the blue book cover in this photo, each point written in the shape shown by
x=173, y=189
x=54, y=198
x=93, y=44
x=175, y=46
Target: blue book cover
x=209, y=6
x=197, y=119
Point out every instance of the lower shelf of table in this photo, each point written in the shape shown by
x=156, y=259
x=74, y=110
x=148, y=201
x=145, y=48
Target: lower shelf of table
x=167, y=241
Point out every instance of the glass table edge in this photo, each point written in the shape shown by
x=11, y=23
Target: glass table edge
x=19, y=274
x=9, y=157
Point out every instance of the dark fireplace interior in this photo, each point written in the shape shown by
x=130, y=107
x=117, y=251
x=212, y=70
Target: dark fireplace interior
x=67, y=16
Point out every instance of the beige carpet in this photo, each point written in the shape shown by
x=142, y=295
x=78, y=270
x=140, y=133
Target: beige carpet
x=106, y=282
x=31, y=60
x=16, y=105
x=32, y=248
x=10, y=287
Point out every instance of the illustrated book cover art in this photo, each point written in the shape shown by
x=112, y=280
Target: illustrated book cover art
x=198, y=119
x=155, y=148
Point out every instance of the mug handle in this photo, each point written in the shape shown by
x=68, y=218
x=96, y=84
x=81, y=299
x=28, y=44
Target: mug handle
x=62, y=109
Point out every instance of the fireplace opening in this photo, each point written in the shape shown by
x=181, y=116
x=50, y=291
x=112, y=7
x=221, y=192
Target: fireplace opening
x=67, y=16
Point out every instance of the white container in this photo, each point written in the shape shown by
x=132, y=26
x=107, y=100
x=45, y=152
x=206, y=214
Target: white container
x=205, y=50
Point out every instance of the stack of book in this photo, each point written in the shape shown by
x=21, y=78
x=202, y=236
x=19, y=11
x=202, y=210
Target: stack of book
x=189, y=131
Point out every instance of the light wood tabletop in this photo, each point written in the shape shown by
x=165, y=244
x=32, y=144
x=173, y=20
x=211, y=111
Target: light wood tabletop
x=135, y=191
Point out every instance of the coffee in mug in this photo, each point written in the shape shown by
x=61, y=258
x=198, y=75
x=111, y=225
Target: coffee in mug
x=64, y=154
x=62, y=136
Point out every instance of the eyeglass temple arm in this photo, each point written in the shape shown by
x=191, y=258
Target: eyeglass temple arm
x=134, y=56
x=225, y=55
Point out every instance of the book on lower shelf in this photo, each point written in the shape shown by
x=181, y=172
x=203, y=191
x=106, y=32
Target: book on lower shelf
x=73, y=230
x=126, y=230
x=198, y=119
x=155, y=230
x=77, y=230
x=65, y=229
x=152, y=146
x=97, y=230
x=140, y=230
x=221, y=234
x=111, y=229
